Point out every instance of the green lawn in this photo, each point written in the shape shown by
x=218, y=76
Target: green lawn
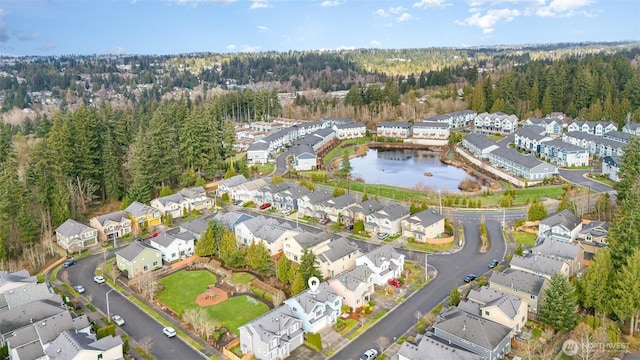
x=495, y=137
x=427, y=247
x=237, y=311
x=524, y=238
x=241, y=278
x=351, y=323
x=182, y=287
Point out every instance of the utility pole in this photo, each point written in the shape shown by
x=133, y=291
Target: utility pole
x=440, y=198
x=426, y=267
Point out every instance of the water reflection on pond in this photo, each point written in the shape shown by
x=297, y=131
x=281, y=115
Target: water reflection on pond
x=407, y=168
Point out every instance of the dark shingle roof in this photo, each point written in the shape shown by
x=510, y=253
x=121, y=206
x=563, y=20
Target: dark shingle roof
x=529, y=162
x=134, y=249
x=472, y=328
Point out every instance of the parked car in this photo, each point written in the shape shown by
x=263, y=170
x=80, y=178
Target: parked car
x=79, y=289
x=69, y=263
x=383, y=236
x=325, y=221
x=469, y=278
x=118, y=320
x=169, y=331
x=493, y=264
x=349, y=227
x=369, y=354
x=154, y=234
x=265, y=206
x=98, y=279
x=395, y=283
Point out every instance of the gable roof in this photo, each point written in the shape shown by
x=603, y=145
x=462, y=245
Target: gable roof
x=486, y=296
x=131, y=251
x=34, y=311
x=173, y=198
x=351, y=279
x=596, y=228
x=472, y=328
x=382, y=254
x=234, y=180
x=557, y=143
x=195, y=226
x=392, y=212
x=308, y=300
x=193, y=192
x=302, y=149
x=564, y=218
x=116, y=216
x=532, y=132
x=431, y=124
x=274, y=323
x=518, y=280
x=138, y=209
x=307, y=240
x=479, y=141
x=537, y=264
x=69, y=344
x=318, y=196
x=395, y=124
x=350, y=125
x=425, y=217
x=71, y=228
x=367, y=207
x=338, y=248
x=231, y=219
x=436, y=350
x=528, y=162
x=557, y=248
x=613, y=161
x=340, y=202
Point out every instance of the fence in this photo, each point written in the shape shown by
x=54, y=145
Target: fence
x=230, y=355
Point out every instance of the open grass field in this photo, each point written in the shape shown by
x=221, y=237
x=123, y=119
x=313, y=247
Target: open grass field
x=524, y=238
x=241, y=278
x=182, y=287
x=236, y=311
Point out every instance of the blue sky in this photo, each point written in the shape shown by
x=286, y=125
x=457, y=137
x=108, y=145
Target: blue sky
x=55, y=27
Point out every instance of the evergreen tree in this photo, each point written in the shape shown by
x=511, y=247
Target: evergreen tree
x=308, y=266
x=165, y=191
x=283, y=270
x=259, y=258
x=454, y=297
x=598, y=283
x=478, y=100
x=345, y=167
x=627, y=304
x=299, y=284
x=365, y=197
x=624, y=230
x=338, y=191
x=537, y=211
x=231, y=171
x=559, y=305
x=630, y=168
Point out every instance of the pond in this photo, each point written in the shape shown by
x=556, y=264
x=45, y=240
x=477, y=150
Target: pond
x=407, y=168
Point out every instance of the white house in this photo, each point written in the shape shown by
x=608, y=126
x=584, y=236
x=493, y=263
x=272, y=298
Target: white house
x=423, y=225
x=561, y=225
x=632, y=128
x=611, y=167
x=74, y=236
x=479, y=145
x=273, y=335
x=352, y=130
x=174, y=205
x=385, y=262
x=316, y=309
x=304, y=158
x=564, y=154
x=355, y=286
x=386, y=220
x=174, y=245
x=394, y=129
x=431, y=130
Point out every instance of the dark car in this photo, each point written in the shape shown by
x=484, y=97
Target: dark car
x=349, y=227
x=469, y=278
x=69, y=263
x=493, y=264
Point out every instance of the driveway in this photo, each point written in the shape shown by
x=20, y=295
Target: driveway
x=140, y=326
x=578, y=177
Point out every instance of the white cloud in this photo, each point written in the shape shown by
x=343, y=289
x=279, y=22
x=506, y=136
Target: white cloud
x=562, y=8
x=259, y=4
x=262, y=28
x=231, y=47
x=404, y=17
x=119, y=50
x=381, y=12
x=329, y=3
x=431, y=4
x=541, y=8
x=396, y=10
x=376, y=43
x=195, y=3
x=346, y=47
x=488, y=21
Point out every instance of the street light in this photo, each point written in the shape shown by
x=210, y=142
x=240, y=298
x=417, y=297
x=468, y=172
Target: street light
x=107, y=295
x=426, y=267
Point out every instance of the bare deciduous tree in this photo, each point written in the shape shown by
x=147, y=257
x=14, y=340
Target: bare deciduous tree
x=589, y=341
x=382, y=343
x=64, y=276
x=146, y=344
x=145, y=284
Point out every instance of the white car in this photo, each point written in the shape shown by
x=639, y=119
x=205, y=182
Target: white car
x=169, y=331
x=79, y=288
x=369, y=354
x=118, y=320
x=98, y=279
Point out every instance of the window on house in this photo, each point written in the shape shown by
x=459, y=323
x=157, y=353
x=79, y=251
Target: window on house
x=487, y=313
x=318, y=313
x=533, y=297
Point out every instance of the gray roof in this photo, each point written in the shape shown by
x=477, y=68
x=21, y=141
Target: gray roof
x=596, y=228
x=270, y=232
x=367, y=207
x=173, y=198
x=33, y=311
x=138, y=209
x=233, y=181
x=431, y=124
x=116, y=216
x=486, y=296
x=350, y=125
x=195, y=226
x=519, y=280
x=380, y=255
x=529, y=162
x=351, y=279
x=256, y=223
x=318, y=196
x=613, y=160
x=557, y=248
x=309, y=299
x=479, y=141
x=425, y=217
x=231, y=219
x=192, y=193
x=532, y=132
x=11, y=280
x=435, y=350
x=340, y=202
x=275, y=323
x=338, y=248
x=134, y=249
x=68, y=344
x=395, y=124
x=472, y=328
x=71, y=228
x=324, y=132
x=259, y=145
x=538, y=121
x=392, y=212
x=557, y=143
x=46, y=330
x=537, y=264
x=297, y=191
x=164, y=239
x=308, y=240
x=302, y=149
x=25, y=294
x=565, y=218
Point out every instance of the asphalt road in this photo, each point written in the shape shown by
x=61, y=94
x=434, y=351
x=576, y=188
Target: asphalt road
x=451, y=270
x=140, y=326
x=577, y=177
x=281, y=162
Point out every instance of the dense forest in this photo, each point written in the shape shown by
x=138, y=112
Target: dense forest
x=126, y=126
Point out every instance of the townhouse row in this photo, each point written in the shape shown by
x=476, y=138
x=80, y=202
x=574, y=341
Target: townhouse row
x=436, y=127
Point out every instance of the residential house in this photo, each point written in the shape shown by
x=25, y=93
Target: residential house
x=355, y=286
x=273, y=335
x=334, y=207
x=174, y=205
x=311, y=204
x=498, y=122
x=431, y=130
x=386, y=220
x=266, y=194
x=336, y=256
x=472, y=333
x=226, y=185
x=231, y=219
x=597, y=145
x=593, y=237
x=498, y=307
x=525, y=285
x=479, y=145
x=564, y=154
x=28, y=313
x=461, y=118
x=304, y=158
x=618, y=136
x=360, y=211
x=18, y=289
x=551, y=127
x=196, y=226
x=423, y=225
x=71, y=345
x=394, y=129
x=529, y=138
x=74, y=236
x=541, y=265
x=137, y=258
x=196, y=198
x=246, y=230
x=174, y=245
x=273, y=236
x=351, y=130
x=597, y=128
x=435, y=348
x=385, y=262
x=561, y=225
x=294, y=247
x=259, y=152
x=111, y=226
x=317, y=309
x=611, y=167
x=246, y=191
x=143, y=215
x=632, y=128
x=527, y=167
x=567, y=251
x=288, y=199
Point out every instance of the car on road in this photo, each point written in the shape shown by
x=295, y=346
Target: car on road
x=98, y=279
x=469, y=278
x=493, y=264
x=265, y=206
x=394, y=282
x=79, y=289
x=118, y=320
x=369, y=354
x=69, y=263
x=169, y=331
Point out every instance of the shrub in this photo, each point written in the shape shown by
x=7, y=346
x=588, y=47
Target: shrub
x=340, y=324
x=196, y=212
x=106, y=331
x=436, y=310
x=225, y=197
x=314, y=341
